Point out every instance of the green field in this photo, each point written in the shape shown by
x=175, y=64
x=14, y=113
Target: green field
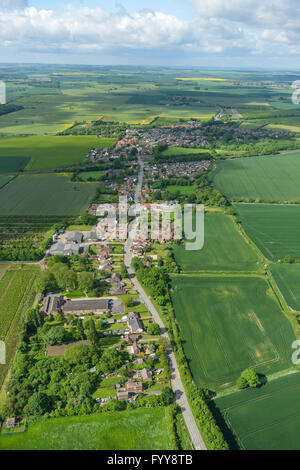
x=12, y=164
x=267, y=418
x=48, y=194
x=141, y=429
x=269, y=178
x=50, y=152
x=224, y=248
x=274, y=228
x=4, y=179
x=229, y=324
x=15, y=297
x=175, y=151
x=287, y=277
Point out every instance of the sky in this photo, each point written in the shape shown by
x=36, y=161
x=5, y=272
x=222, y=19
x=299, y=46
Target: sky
x=201, y=33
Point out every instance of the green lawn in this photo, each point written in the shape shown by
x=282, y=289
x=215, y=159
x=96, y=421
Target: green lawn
x=274, y=228
x=224, y=248
x=48, y=194
x=50, y=152
x=287, y=277
x=269, y=178
x=141, y=429
x=229, y=324
x=267, y=418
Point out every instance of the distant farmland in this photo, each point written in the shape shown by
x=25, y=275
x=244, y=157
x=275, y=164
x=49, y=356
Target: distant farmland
x=49, y=194
x=274, y=228
x=224, y=248
x=269, y=178
x=50, y=152
x=267, y=418
x=228, y=324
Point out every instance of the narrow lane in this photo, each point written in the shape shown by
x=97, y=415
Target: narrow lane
x=177, y=385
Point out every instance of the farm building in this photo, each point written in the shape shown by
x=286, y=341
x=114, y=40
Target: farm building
x=54, y=304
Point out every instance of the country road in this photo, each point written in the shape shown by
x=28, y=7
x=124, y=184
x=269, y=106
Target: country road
x=177, y=385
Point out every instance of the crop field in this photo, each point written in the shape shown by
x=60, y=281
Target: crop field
x=268, y=178
x=15, y=297
x=174, y=151
x=12, y=164
x=228, y=324
x=287, y=277
x=48, y=194
x=4, y=179
x=141, y=429
x=274, y=228
x=224, y=248
x=50, y=152
x=267, y=418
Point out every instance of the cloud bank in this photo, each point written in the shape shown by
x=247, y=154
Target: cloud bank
x=235, y=28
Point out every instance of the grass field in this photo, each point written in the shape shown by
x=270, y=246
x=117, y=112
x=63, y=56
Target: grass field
x=269, y=178
x=15, y=297
x=48, y=194
x=287, y=277
x=50, y=152
x=4, y=179
x=12, y=164
x=224, y=248
x=274, y=228
x=174, y=151
x=267, y=418
x=141, y=429
x=229, y=324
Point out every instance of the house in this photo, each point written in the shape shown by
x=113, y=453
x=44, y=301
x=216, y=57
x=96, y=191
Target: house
x=134, y=323
x=117, y=285
x=144, y=374
x=122, y=395
x=10, y=423
x=134, y=387
x=65, y=249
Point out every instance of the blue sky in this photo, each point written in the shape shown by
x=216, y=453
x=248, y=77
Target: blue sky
x=206, y=33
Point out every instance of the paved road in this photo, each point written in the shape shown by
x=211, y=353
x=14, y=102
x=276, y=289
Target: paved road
x=176, y=382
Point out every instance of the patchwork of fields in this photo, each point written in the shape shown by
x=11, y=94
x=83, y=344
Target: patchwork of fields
x=48, y=194
x=12, y=164
x=269, y=178
x=266, y=418
x=141, y=429
x=224, y=249
x=229, y=324
x=275, y=229
x=49, y=152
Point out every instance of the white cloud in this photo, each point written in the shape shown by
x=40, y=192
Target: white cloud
x=231, y=28
x=14, y=4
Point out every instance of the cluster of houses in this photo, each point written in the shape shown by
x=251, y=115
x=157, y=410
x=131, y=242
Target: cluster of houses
x=179, y=169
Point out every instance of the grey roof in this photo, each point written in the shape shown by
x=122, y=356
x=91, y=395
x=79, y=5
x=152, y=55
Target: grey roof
x=90, y=305
x=134, y=323
x=74, y=237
